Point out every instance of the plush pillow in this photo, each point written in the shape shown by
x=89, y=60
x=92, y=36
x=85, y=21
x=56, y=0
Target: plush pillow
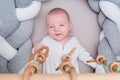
x=6, y=50
x=109, y=21
x=16, y=29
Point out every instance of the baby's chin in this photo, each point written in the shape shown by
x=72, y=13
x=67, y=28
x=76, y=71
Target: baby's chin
x=58, y=38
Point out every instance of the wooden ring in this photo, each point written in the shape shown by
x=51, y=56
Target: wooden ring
x=101, y=59
x=28, y=69
x=43, y=58
x=42, y=48
x=114, y=66
x=66, y=57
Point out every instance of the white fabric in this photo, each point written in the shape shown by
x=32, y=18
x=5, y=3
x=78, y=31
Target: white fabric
x=102, y=36
x=28, y=12
x=100, y=69
x=56, y=51
x=6, y=50
x=85, y=56
x=118, y=58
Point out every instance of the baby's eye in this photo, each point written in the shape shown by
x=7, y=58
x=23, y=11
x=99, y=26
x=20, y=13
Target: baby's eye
x=50, y=26
x=62, y=25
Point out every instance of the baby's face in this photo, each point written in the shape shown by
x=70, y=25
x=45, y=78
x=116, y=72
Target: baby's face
x=58, y=26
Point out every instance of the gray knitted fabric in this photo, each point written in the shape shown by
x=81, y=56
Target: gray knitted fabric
x=16, y=33
x=21, y=59
x=110, y=45
x=94, y=5
x=8, y=20
x=25, y=3
x=22, y=3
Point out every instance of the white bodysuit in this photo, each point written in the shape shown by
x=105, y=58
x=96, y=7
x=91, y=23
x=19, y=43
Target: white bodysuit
x=56, y=51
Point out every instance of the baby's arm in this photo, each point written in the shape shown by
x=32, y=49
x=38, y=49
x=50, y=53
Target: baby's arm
x=85, y=56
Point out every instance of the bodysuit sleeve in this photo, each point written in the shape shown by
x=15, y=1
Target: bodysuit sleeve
x=84, y=56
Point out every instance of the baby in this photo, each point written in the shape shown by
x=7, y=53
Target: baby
x=61, y=42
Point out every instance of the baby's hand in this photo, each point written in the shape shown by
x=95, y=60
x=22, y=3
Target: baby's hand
x=37, y=46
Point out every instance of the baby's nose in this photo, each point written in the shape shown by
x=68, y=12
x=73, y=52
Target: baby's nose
x=56, y=28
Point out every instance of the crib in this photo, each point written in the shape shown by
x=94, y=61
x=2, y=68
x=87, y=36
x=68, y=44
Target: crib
x=86, y=29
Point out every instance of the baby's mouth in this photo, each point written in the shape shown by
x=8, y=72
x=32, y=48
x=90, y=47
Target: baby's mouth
x=57, y=34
